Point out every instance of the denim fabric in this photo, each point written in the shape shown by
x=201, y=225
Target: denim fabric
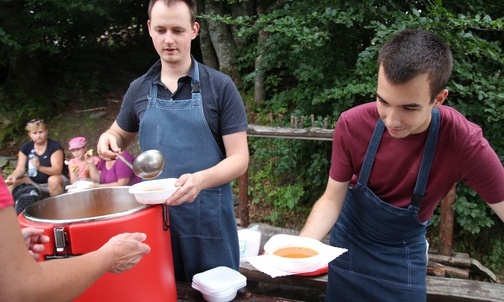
x=204, y=233
x=386, y=259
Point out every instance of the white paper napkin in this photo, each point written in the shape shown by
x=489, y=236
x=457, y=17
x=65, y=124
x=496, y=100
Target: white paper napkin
x=266, y=264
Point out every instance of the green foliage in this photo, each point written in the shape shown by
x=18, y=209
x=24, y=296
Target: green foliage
x=289, y=174
x=320, y=58
x=57, y=53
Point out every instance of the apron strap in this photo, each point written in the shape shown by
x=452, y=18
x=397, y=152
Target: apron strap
x=195, y=83
x=425, y=166
x=371, y=152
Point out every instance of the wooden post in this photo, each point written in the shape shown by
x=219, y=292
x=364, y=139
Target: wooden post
x=243, y=196
x=447, y=223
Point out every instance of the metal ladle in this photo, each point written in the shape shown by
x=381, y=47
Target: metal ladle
x=149, y=164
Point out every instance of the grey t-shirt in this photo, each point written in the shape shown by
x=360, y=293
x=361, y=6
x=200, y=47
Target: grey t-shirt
x=222, y=104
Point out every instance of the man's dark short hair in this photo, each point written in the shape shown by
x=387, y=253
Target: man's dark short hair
x=413, y=52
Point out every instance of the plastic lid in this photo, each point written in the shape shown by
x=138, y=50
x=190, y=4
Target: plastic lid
x=219, y=279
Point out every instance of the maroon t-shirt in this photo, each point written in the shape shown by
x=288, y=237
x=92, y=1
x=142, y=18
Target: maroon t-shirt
x=462, y=154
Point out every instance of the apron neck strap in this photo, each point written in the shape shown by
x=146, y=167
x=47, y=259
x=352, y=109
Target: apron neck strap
x=371, y=152
x=428, y=156
x=195, y=82
x=425, y=166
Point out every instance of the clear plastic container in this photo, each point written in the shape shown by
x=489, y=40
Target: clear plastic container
x=250, y=241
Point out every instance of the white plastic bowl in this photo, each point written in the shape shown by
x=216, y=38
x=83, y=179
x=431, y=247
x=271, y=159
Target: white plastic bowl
x=294, y=265
x=83, y=184
x=219, y=284
x=154, y=191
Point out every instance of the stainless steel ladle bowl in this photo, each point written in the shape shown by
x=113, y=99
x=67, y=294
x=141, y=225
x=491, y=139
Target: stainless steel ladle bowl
x=149, y=164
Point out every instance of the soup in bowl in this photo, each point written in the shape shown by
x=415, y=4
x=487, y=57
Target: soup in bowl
x=155, y=191
x=294, y=254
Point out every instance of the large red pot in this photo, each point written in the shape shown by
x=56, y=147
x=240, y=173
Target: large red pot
x=83, y=221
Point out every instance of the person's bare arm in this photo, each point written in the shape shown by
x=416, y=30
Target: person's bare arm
x=234, y=165
x=72, y=173
x=19, y=171
x=498, y=208
x=57, y=162
x=24, y=279
x=113, y=140
x=94, y=173
x=326, y=210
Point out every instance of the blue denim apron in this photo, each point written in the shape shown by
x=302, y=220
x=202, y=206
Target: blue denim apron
x=386, y=258
x=204, y=233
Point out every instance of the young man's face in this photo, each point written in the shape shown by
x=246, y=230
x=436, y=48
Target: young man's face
x=171, y=31
x=406, y=108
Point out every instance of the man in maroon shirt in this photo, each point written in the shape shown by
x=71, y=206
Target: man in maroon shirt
x=384, y=185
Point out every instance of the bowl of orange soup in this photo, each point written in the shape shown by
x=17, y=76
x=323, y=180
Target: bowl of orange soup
x=294, y=254
x=155, y=191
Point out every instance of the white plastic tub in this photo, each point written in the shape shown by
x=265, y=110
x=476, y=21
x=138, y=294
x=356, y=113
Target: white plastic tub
x=219, y=284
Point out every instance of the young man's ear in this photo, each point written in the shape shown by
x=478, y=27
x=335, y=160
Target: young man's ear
x=440, y=98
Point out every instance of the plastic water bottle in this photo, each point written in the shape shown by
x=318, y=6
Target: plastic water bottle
x=32, y=170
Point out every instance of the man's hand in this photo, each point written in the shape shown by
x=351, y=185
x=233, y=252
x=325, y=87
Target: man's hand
x=34, y=240
x=106, y=144
x=127, y=250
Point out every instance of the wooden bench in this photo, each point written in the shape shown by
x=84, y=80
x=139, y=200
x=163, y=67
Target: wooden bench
x=438, y=288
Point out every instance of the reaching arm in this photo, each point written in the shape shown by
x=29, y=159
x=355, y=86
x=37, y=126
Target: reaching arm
x=326, y=210
x=57, y=162
x=498, y=208
x=19, y=171
x=23, y=279
x=234, y=165
x=94, y=173
x=114, y=140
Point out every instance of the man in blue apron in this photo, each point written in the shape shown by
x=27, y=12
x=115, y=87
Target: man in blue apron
x=393, y=160
x=195, y=116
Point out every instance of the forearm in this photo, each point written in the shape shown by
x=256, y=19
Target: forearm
x=24, y=279
x=17, y=173
x=74, y=275
x=227, y=170
x=73, y=177
x=498, y=208
x=94, y=173
x=58, y=170
x=326, y=210
x=233, y=166
x=321, y=220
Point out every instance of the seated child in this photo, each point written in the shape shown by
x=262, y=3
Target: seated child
x=77, y=166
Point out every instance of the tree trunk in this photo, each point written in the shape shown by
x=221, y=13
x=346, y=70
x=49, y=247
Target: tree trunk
x=447, y=223
x=207, y=50
x=260, y=76
x=222, y=41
